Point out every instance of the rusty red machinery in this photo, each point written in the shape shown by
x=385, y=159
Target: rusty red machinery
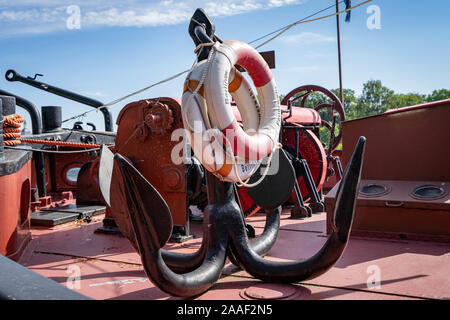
x=144, y=136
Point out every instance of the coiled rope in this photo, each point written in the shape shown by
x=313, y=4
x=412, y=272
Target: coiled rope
x=11, y=129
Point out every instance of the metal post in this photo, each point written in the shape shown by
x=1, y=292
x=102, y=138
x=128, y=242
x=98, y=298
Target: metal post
x=341, y=93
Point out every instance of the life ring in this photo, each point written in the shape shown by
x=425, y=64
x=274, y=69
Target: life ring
x=224, y=148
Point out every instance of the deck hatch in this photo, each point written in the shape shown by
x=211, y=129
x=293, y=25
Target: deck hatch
x=374, y=190
x=428, y=192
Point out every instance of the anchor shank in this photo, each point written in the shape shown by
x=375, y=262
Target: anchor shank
x=327, y=256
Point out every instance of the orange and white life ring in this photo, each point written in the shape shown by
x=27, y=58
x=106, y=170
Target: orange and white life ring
x=224, y=148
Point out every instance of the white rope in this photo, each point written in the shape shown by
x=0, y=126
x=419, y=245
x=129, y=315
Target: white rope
x=194, y=94
x=241, y=183
x=142, y=90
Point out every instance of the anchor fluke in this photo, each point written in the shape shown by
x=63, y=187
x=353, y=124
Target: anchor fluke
x=328, y=255
x=148, y=225
x=149, y=213
x=105, y=172
x=347, y=192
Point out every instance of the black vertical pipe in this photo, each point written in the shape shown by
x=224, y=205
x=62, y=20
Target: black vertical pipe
x=51, y=118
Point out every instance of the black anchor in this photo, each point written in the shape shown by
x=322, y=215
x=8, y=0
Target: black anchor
x=149, y=221
x=224, y=231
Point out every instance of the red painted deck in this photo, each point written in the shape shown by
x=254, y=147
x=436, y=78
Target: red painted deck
x=111, y=269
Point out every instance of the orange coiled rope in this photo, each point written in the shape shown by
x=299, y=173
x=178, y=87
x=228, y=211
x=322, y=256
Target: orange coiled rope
x=11, y=135
x=11, y=129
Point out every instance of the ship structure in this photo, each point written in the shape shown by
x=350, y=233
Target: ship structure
x=272, y=212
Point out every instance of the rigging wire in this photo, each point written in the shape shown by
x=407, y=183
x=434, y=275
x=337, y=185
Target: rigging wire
x=303, y=19
x=311, y=20
x=278, y=32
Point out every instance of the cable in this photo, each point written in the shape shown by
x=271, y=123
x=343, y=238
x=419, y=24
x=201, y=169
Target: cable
x=127, y=96
x=310, y=16
x=311, y=20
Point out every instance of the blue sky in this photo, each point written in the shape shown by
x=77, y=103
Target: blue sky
x=122, y=46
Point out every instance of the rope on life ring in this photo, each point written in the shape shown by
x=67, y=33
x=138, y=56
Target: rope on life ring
x=228, y=151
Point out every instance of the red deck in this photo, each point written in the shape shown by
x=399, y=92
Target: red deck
x=111, y=269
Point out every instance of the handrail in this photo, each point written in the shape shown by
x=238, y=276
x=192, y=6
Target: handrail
x=12, y=75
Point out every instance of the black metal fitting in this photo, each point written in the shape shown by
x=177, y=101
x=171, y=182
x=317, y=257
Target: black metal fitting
x=202, y=29
x=51, y=118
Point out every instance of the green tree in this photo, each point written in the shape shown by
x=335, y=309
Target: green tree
x=350, y=102
x=374, y=99
x=437, y=95
x=405, y=100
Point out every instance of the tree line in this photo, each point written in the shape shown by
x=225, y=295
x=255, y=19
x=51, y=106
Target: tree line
x=376, y=99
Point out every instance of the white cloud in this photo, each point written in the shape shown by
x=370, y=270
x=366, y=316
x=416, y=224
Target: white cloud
x=21, y=16
x=134, y=18
x=279, y=3
x=307, y=38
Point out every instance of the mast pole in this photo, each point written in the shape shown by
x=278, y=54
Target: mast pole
x=341, y=93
